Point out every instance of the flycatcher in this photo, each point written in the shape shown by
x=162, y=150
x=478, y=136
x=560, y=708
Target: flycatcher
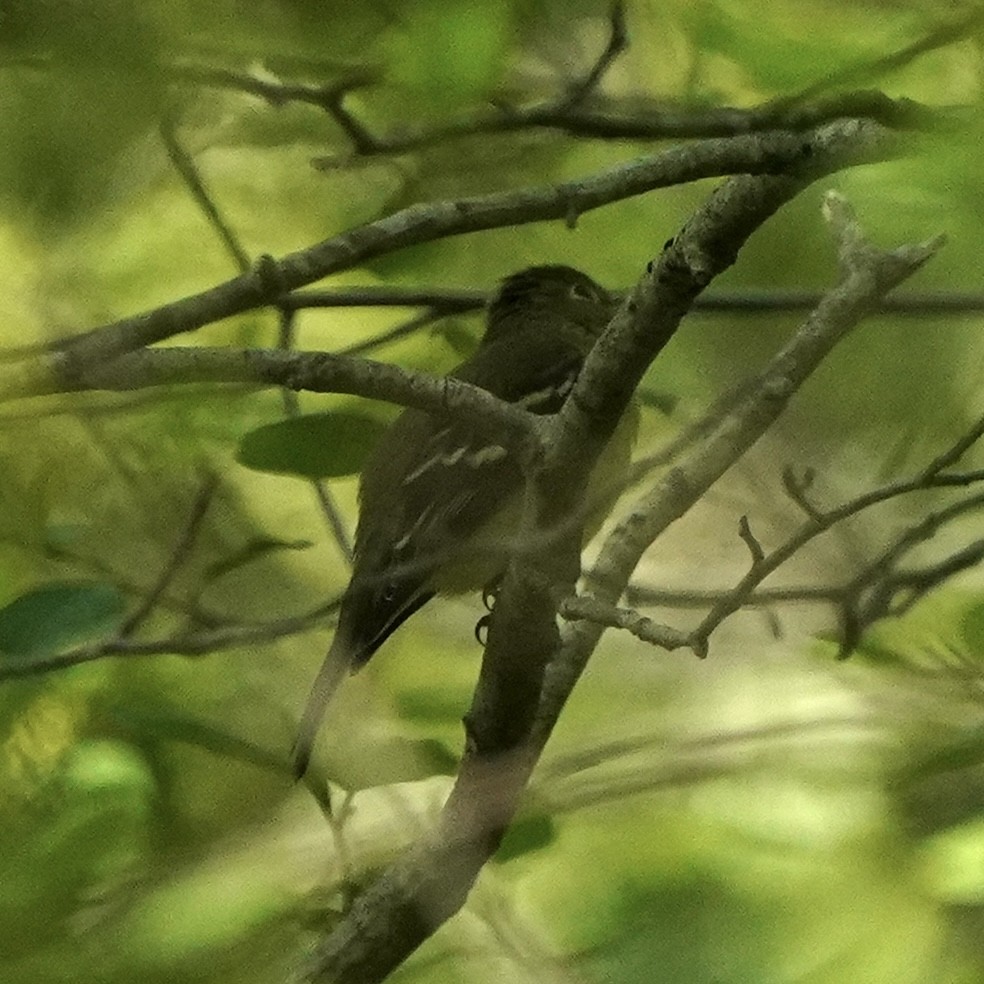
x=432, y=489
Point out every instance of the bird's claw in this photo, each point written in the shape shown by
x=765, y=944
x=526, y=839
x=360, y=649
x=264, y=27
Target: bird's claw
x=482, y=629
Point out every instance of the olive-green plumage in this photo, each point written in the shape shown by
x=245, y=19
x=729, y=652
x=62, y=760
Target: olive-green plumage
x=432, y=487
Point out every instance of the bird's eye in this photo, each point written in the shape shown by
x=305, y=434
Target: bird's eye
x=389, y=591
x=581, y=292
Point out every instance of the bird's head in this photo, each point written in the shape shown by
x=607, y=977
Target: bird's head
x=556, y=297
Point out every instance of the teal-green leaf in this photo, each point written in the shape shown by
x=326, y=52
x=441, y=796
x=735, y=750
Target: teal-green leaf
x=54, y=616
x=317, y=445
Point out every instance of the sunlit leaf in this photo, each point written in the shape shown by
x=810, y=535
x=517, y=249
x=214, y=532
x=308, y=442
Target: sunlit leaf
x=449, y=54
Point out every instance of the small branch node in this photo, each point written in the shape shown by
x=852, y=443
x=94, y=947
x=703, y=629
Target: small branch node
x=363, y=141
x=269, y=277
x=618, y=41
x=797, y=486
x=581, y=607
x=750, y=540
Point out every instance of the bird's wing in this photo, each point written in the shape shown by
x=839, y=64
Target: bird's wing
x=455, y=477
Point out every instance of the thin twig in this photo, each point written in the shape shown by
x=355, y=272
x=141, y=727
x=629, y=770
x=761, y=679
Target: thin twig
x=409, y=327
x=618, y=42
x=444, y=300
x=189, y=644
x=275, y=92
x=835, y=145
x=797, y=486
x=820, y=521
x=641, y=594
x=881, y=590
x=326, y=500
x=186, y=167
x=179, y=554
x=641, y=626
x=865, y=69
x=953, y=454
x=750, y=540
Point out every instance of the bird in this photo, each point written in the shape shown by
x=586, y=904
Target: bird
x=433, y=489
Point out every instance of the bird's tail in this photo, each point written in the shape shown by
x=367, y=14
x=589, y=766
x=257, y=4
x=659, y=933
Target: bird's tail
x=334, y=669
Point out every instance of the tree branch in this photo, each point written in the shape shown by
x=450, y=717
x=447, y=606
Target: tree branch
x=316, y=372
x=611, y=616
x=404, y=906
x=847, y=141
x=867, y=273
x=820, y=521
x=201, y=643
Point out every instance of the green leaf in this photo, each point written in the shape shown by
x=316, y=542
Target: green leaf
x=658, y=399
x=172, y=725
x=382, y=760
x=449, y=54
x=964, y=751
x=972, y=629
x=319, y=445
x=54, y=616
x=528, y=834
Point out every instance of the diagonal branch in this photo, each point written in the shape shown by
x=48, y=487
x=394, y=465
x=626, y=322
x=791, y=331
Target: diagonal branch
x=867, y=273
x=316, y=372
x=820, y=521
x=201, y=643
x=618, y=42
x=837, y=144
x=397, y=912
x=179, y=554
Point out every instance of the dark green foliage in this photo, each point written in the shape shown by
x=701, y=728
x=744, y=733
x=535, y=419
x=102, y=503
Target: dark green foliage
x=318, y=445
x=54, y=616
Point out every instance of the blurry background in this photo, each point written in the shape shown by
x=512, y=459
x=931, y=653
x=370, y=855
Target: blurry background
x=769, y=814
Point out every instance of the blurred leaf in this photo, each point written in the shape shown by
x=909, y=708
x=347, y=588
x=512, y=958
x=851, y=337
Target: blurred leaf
x=58, y=615
x=459, y=339
x=383, y=761
x=972, y=630
x=447, y=54
x=59, y=537
x=694, y=932
x=429, y=705
x=68, y=122
x=529, y=833
x=256, y=549
x=320, y=445
x=171, y=725
x=944, y=789
x=965, y=750
x=94, y=834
